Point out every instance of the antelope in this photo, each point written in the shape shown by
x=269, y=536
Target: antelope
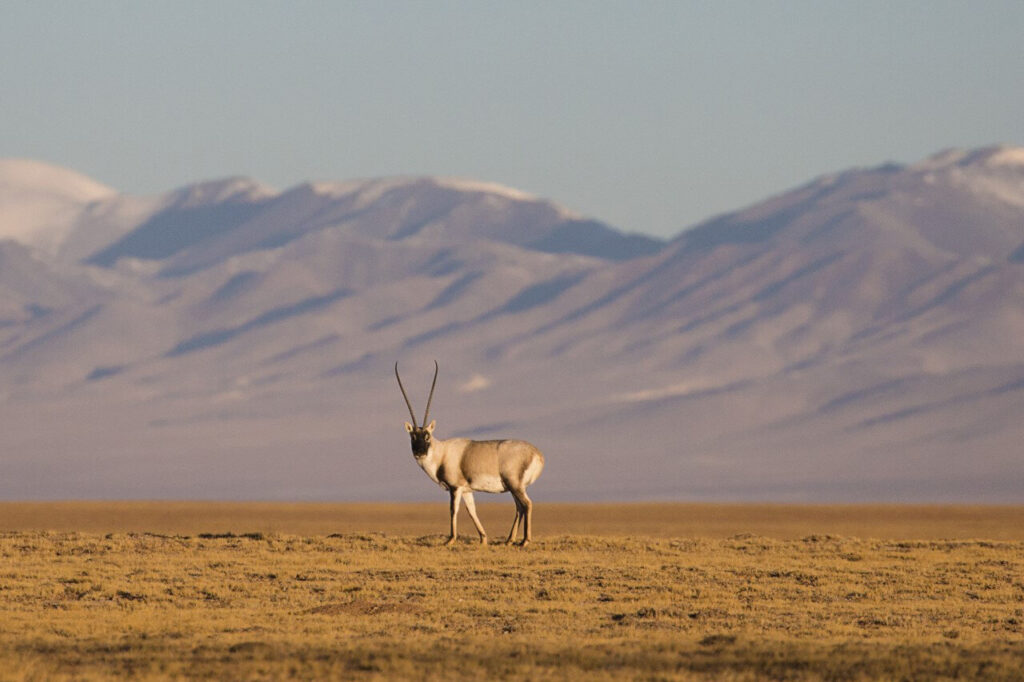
x=463, y=466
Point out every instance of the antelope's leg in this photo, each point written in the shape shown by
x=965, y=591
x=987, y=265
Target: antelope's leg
x=471, y=508
x=515, y=522
x=456, y=501
x=527, y=514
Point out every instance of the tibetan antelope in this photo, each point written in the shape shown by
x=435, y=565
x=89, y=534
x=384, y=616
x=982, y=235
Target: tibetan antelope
x=462, y=466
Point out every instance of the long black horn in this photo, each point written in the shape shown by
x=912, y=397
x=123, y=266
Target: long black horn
x=407, y=403
x=426, y=413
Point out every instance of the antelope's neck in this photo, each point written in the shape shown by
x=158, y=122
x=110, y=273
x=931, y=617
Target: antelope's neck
x=431, y=462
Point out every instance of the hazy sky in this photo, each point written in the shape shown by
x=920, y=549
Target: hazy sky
x=648, y=115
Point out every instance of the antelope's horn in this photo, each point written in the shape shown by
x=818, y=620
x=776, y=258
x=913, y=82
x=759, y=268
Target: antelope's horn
x=426, y=412
x=412, y=415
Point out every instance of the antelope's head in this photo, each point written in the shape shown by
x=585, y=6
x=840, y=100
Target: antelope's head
x=420, y=436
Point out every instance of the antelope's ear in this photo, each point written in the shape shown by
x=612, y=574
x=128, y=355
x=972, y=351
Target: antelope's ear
x=430, y=427
x=408, y=427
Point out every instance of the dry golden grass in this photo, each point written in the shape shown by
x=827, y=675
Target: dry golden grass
x=193, y=602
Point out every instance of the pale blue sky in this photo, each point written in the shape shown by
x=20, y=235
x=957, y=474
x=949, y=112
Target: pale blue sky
x=648, y=115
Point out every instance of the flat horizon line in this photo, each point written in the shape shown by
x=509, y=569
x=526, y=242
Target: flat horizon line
x=782, y=521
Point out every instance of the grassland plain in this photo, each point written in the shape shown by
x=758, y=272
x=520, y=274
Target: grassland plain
x=221, y=596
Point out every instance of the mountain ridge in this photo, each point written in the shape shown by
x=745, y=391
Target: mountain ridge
x=209, y=204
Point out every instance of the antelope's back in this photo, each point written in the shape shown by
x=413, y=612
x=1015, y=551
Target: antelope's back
x=512, y=460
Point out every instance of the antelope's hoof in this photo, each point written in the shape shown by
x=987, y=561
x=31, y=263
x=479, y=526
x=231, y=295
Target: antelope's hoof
x=451, y=542
x=483, y=540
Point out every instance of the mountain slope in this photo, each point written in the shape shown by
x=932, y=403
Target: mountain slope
x=854, y=339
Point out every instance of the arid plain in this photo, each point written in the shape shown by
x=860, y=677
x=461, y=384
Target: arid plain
x=193, y=590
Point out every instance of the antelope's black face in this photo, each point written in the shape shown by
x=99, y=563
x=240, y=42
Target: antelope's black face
x=421, y=438
x=420, y=441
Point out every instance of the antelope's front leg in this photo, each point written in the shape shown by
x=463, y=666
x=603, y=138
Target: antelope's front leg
x=456, y=501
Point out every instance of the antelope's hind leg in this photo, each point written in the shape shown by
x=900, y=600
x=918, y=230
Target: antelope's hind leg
x=515, y=523
x=471, y=508
x=525, y=505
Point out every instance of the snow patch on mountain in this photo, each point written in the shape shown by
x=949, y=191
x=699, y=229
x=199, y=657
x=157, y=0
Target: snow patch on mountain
x=28, y=176
x=477, y=382
x=467, y=185
x=990, y=158
x=234, y=189
x=991, y=172
x=1006, y=156
x=38, y=201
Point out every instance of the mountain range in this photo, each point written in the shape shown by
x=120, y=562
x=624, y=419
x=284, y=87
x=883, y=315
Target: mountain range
x=854, y=339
